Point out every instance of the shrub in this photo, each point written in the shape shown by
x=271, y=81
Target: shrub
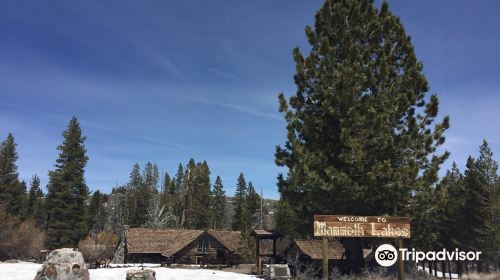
x=99, y=249
x=19, y=239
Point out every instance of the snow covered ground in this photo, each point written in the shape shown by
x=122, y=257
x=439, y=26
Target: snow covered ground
x=439, y=273
x=27, y=271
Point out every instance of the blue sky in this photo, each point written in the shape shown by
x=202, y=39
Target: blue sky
x=164, y=81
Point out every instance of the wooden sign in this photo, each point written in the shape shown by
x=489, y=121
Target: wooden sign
x=361, y=226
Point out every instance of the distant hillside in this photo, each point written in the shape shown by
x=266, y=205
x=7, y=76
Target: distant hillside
x=115, y=212
x=270, y=206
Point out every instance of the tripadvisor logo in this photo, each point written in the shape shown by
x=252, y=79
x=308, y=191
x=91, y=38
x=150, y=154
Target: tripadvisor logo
x=386, y=255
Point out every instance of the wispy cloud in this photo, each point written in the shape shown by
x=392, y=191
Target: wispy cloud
x=101, y=126
x=237, y=107
x=224, y=74
x=140, y=137
x=156, y=56
x=240, y=108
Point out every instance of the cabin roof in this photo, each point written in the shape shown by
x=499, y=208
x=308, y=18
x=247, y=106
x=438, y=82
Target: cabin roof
x=170, y=241
x=229, y=239
x=313, y=249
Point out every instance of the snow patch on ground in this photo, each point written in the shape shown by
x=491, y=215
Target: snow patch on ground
x=439, y=273
x=27, y=271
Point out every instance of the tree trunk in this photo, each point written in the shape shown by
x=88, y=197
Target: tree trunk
x=449, y=268
x=354, y=254
x=443, y=269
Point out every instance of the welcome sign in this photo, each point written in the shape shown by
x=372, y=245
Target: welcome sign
x=361, y=226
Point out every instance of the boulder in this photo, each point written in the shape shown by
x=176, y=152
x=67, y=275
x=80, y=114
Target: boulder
x=141, y=274
x=63, y=264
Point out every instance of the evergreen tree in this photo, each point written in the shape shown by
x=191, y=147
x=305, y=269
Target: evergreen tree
x=201, y=197
x=480, y=187
x=253, y=204
x=166, y=196
x=156, y=178
x=241, y=218
x=454, y=183
x=176, y=191
x=21, y=199
x=97, y=212
x=149, y=177
x=179, y=177
x=166, y=183
x=33, y=194
x=67, y=191
x=133, y=187
x=39, y=213
x=12, y=191
x=218, y=203
x=188, y=184
x=428, y=206
x=359, y=137
x=451, y=225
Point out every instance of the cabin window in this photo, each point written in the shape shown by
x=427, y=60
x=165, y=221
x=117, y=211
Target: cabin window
x=203, y=246
x=221, y=254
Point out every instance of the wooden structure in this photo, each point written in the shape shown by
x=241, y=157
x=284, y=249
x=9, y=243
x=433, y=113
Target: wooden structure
x=361, y=226
x=263, y=235
x=167, y=246
x=44, y=254
x=310, y=252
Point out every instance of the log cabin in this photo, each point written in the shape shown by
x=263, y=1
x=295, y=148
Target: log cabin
x=181, y=246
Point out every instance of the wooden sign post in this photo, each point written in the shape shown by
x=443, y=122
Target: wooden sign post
x=401, y=270
x=325, y=257
x=360, y=226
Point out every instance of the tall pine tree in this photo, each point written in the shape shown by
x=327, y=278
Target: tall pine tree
x=67, y=191
x=33, y=195
x=480, y=182
x=36, y=203
x=134, y=200
x=241, y=218
x=218, y=204
x=97, y=212
x=188, y=184
x=12, y=191
x=253, y=204
x=451, y=233
x=166, y=196
x=360, y=136
x=201, y=197
x=176, y=191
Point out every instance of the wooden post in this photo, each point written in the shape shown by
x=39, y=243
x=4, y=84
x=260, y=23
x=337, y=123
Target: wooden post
x=401, y=270
x=325, y=258
x=274, y=250
x=257, y=256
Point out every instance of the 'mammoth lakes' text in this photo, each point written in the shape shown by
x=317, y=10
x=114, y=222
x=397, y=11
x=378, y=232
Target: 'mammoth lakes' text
x=361, y=226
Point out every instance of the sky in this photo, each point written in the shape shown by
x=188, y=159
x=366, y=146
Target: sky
x=166, y=81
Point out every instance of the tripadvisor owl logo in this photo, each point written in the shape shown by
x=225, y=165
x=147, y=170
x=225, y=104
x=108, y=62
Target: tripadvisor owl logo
x=386, y=255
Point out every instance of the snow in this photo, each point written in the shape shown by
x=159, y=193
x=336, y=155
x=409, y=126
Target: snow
x=27, y=271
x=439, y=273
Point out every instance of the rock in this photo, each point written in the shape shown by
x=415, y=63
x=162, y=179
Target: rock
x=141, y=274
x=63, y=264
